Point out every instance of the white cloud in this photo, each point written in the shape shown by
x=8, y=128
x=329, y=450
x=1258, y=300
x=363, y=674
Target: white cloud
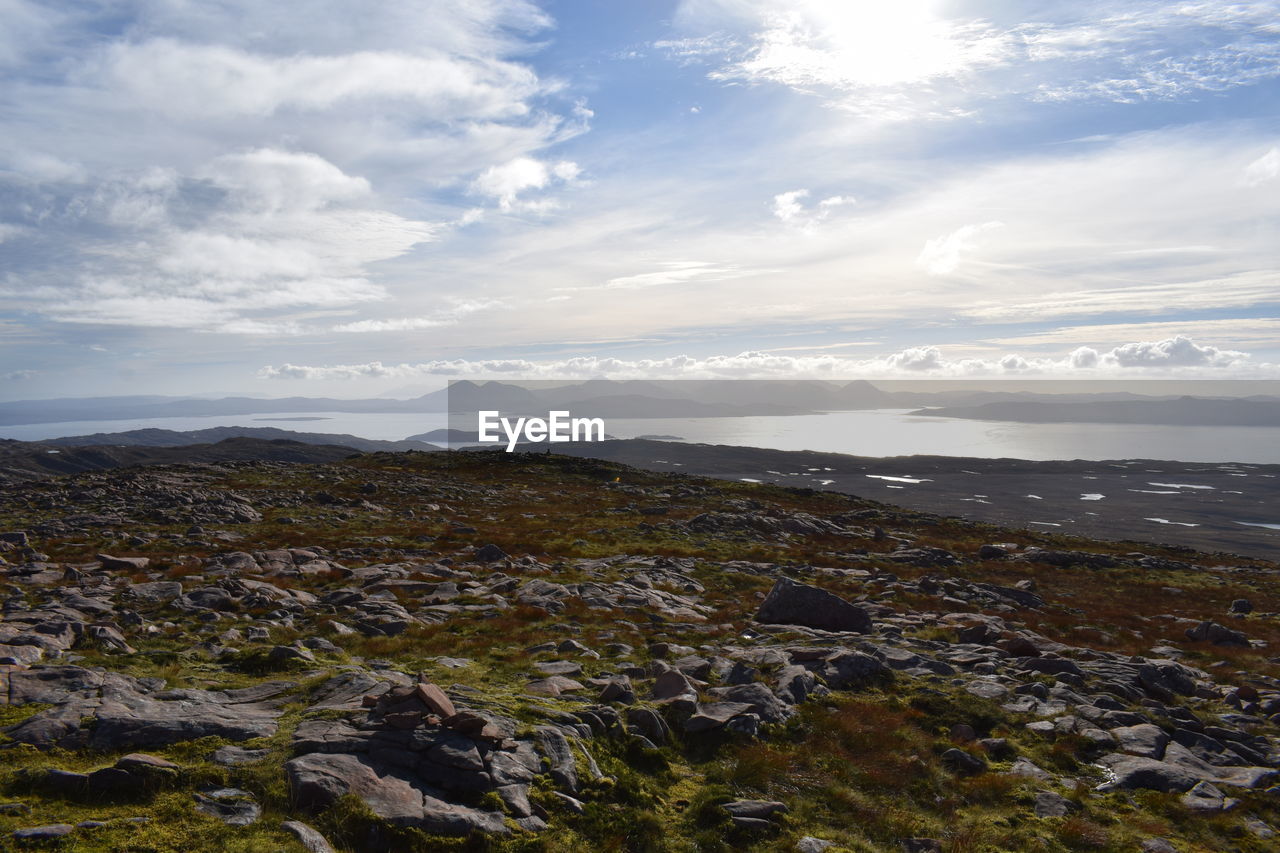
x=787, y=206
x=944, y=255
x=203, y=81
x=790, y=208
x=916, y=359
x=1174, y=352
x=225, y=166
x=1177, y=356
x=507, y=181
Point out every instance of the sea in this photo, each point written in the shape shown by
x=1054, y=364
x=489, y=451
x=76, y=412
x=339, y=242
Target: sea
x=877, y=432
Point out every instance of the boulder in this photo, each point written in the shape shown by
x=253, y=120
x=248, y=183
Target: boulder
x=962, y=763
x=791, y=603
x=1218, y=635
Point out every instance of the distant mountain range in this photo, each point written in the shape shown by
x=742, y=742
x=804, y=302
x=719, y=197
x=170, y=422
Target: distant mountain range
x=653, y=399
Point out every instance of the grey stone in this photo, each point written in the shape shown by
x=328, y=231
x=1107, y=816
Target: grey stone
x=235, y=756
x=123, y=564
x=489, y=554
x=714, y=715
x=1027, y=769
x=1204, y=798
x=650, y=724
x=960, y=762
x=232, y=806
x=309, y=838
x=761, y=700
x=761, y=809
x=555, y=746
x=851, y=669
x=1218, y=635
x=1049, y=804
x=791, y=603
x=1135, y=772
x=44, y=833
x=319, y=780
x=921, y=845
x=1145, y=740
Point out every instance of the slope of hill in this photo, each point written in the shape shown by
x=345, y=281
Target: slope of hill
x=530, y=652
x=21, y=460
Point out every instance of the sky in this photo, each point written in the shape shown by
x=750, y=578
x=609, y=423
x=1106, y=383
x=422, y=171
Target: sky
x=360, y=199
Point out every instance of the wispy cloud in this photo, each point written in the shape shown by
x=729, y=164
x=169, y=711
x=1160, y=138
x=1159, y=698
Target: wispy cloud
x=448, y=316
x=1244, y=290
x=944, y=255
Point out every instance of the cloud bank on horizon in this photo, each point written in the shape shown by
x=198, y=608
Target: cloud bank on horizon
x=229, y=195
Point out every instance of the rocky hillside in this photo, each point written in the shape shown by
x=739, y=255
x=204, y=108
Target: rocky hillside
x=482, y=651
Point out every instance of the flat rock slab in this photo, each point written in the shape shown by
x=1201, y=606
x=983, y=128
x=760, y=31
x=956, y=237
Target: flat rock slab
x=319, y=780
x=110, y=712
